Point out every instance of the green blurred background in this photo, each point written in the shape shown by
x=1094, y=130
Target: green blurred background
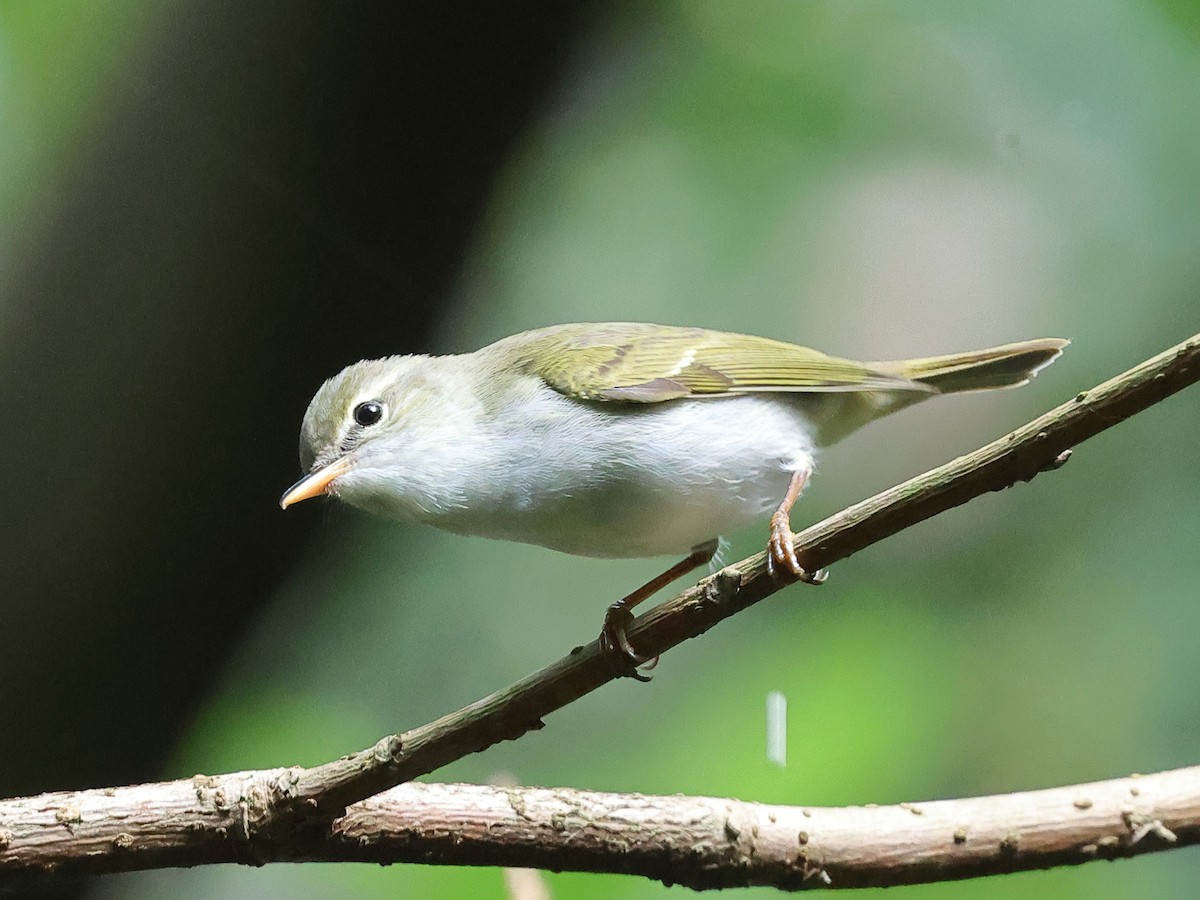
x=207, y=208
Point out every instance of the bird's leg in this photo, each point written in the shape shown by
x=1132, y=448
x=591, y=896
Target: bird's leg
x=780, y=549
x=614, y=638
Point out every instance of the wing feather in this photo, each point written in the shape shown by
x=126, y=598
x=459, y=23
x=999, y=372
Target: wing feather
x=640, y=363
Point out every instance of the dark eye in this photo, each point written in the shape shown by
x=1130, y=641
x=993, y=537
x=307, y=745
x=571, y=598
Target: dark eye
x=366, y=414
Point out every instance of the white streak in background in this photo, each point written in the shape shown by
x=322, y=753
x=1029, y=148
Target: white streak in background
x=777, y=728
x=526, y=884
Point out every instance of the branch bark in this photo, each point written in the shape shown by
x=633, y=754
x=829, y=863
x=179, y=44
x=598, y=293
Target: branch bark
x=699, y=842
x=324, y=792
x=298, y=804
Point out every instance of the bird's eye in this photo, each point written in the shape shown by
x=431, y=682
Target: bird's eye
x=368, y=413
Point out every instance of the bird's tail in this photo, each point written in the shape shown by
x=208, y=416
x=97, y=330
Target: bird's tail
x=979, y=370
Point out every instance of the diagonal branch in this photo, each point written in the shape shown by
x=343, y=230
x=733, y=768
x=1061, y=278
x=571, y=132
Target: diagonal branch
x=1041, y=445
x=261, y=809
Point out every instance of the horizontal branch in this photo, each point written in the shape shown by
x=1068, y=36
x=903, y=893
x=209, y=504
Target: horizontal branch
x=699, y=842
x=256, y=812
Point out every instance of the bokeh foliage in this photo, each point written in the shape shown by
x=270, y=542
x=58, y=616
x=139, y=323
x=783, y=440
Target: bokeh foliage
x=873, y=179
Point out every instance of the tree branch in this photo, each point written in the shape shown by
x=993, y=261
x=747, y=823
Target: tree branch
x=323, y=793
x=699, y=842
x=263, y=809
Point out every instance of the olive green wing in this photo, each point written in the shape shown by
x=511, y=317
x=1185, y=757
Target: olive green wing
x=653, y=363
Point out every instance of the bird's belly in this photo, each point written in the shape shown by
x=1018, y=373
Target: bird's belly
x=650, y=519
x=647, y=481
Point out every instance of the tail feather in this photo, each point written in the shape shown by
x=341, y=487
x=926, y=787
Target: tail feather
x=980, y=370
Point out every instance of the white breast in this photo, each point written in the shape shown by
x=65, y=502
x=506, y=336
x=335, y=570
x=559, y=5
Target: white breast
x=628, y=481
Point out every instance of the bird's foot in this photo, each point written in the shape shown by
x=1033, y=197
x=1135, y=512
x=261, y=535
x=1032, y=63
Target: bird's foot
x=616, y=648
x=781, y=553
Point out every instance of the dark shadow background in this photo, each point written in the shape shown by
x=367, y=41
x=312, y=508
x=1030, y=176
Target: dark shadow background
x=208, y=207
x=280, y=188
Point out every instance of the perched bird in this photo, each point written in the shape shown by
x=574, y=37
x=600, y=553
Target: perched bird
x=613, y=439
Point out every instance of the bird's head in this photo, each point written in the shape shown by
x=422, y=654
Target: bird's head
x=364, y=427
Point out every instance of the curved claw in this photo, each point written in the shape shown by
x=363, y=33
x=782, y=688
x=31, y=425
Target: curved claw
x=614, y=644
x=781, y=553
x=818, y=577
x=617, y=619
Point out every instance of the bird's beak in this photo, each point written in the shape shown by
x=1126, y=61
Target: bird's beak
x=314, y=484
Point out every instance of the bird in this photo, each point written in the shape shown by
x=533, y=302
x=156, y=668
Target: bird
x=615, y=439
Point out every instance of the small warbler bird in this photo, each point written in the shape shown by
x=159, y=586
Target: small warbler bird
x=614, y=439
